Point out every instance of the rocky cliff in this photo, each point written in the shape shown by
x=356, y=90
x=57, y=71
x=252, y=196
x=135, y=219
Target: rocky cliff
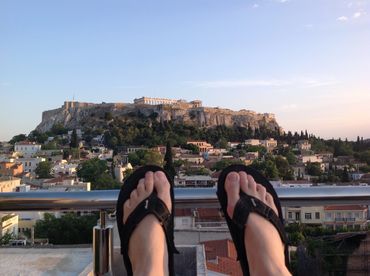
x=81, y=115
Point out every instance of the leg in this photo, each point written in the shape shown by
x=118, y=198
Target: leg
x=147, y=246
x=265, y=250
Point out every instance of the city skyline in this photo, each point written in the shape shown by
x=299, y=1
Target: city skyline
x=306, y=62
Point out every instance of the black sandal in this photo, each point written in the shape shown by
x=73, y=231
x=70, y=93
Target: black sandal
x=244, y=207
x=151, y=205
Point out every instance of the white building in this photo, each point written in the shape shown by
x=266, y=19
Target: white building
x=65, y=184
x=30, y=163
x=64, y=168
x=27, y=149
x=8, y=224
x=101, y=152
x=310, y=158
x=252, y=142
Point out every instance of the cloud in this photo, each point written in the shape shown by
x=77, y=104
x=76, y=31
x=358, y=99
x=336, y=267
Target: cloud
x=357, y=15
x=298, y=82
x=342, y=18
x=255, y=6
x=283, y=1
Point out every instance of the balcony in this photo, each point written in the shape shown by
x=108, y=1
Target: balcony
x=103, y=201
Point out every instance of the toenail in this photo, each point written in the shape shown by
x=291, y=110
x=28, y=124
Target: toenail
x=233, y=176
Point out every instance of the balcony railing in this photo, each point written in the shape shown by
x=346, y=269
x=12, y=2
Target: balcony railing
x=184, y=197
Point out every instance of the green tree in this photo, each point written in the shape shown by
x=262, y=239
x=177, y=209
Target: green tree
x=145, y=157
x=18, y=138
x=6, y=238
x=222, y=164
x=108, y=116
x=69, y=229
x=74, y=140
x=267, y=168
x=285, y=171
x=194, y=148
x=169, y=166
x=91, y=169
x=58, y=129
x=97, y=172
x=43, y=169
x=313, y=168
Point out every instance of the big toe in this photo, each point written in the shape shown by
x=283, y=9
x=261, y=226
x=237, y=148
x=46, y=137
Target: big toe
x=162, y=186
x=232, y=187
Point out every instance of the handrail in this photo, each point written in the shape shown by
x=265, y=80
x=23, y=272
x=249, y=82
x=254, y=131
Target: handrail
x=184, y=197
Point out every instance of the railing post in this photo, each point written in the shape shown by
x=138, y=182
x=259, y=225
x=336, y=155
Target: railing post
x=103, y=246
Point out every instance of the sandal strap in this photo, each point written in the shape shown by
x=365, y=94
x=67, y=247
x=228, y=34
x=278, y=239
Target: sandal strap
x=248, y=204
x=151, y=205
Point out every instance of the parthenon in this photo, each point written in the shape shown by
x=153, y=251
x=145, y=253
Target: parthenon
x=158, y=101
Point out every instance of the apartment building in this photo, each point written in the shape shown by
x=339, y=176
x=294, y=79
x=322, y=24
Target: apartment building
x=307, y=215
x=345, y=216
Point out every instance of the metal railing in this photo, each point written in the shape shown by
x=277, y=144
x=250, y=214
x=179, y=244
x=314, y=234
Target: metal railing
x=184, y=197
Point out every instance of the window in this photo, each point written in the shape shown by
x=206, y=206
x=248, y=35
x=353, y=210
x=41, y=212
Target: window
x=308, y=216
x=328, y=216
x=298, y=216
x=338, y=215
x=357, y=214
x=290, y=216
x=317, y=215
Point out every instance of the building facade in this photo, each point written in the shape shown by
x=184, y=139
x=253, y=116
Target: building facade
x=346, y=217
x=26, y=148
x=9, y=183
x=202, y=145
x=30, y=164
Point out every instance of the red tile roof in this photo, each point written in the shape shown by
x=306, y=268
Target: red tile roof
x=221, y=257
x=209, y=213
x=182, y=212
x=344, y=207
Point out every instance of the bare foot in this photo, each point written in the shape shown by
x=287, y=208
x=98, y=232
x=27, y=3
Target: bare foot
x=265, y=250
x=147, y=247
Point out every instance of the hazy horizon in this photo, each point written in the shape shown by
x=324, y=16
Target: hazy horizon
x=308, y=62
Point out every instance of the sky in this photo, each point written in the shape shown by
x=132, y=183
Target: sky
x=306, y=61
